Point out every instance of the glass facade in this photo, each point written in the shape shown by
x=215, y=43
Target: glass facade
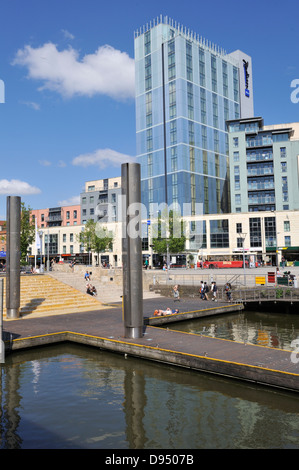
x=185, y=91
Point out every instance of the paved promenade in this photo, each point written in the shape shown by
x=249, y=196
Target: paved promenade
x=104, y=329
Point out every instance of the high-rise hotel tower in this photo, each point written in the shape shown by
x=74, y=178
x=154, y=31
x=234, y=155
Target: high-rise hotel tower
x=186, y=90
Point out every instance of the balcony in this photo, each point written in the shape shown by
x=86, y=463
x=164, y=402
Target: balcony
x=261, y=141
x=260, y=186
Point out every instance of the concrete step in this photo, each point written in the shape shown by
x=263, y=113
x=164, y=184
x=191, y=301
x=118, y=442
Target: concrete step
x=40, y=295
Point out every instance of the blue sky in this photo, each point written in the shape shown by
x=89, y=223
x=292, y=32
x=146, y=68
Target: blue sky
x=68, y=70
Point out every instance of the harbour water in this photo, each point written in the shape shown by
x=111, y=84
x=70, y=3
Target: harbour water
x=275, y=330
x=74, y=397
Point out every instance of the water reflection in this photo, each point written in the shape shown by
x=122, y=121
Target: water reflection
x=70, y=396
x=264, y=329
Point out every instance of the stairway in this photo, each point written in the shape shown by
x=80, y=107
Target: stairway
x=42, y=295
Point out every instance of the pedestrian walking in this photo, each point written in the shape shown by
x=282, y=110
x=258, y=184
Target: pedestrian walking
x=201, y=290
x=206, y=291
x=214, y=291
x=228, y=291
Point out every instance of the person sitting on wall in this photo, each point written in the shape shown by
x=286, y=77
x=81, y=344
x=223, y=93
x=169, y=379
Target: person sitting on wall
x=87, y=276
x=176, y=293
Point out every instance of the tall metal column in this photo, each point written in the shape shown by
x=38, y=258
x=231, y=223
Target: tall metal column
x=13, y=254
x=132, y=250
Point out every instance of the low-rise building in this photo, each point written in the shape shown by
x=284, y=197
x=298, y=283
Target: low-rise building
x=265, y=237
x=99, y=200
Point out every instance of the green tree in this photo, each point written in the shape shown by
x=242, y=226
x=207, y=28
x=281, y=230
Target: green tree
x=27, y=235
x=169, y=230
x=95, y=237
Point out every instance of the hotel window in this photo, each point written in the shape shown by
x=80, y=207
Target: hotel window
x=147, y=43
x=224, y=78
x=173, y=135
x=286, y=226
x=203, y=107
x=64, y=249
x=216, y=140
x=189, y=61
x=219, y=236
x=226, y=109
x=215, y=110
x=255, y=232
x=238, y=227
x=236, y=84
x=43, y=217
x=172, y=100
x=71, y=237
x=236, y=142
x=75, y=214
x=285, y=194
x=148, y=108
x=174, y=159
x=287, y=240
x=148, y=73
x=91, y=211
x=191, y=132
x=171, y=60
x=202, y=73
x=71, y=249
x=284, y=167
x=204, y=136
x=91, y=188
x=149, y=139
x=190, y=101
x=236, y=156
x=283, y=152
x=214, y=73
x=91, y=199
x=83, y=200
x=238, y=199
x=67, y=215
x=113, y=197
x=237, y=176
x=64, y=238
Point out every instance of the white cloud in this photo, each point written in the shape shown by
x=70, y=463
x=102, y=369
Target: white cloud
x=102, y=158
x=61, y=164
x=17, y=187
x=72, y=201
x=67, y=34
x=108, y=71
x=45, y=162
x=31, y=104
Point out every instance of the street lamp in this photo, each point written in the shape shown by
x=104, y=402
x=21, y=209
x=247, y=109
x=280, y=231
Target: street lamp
x=41, y=251
x=243, y=235
x=276, y=240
